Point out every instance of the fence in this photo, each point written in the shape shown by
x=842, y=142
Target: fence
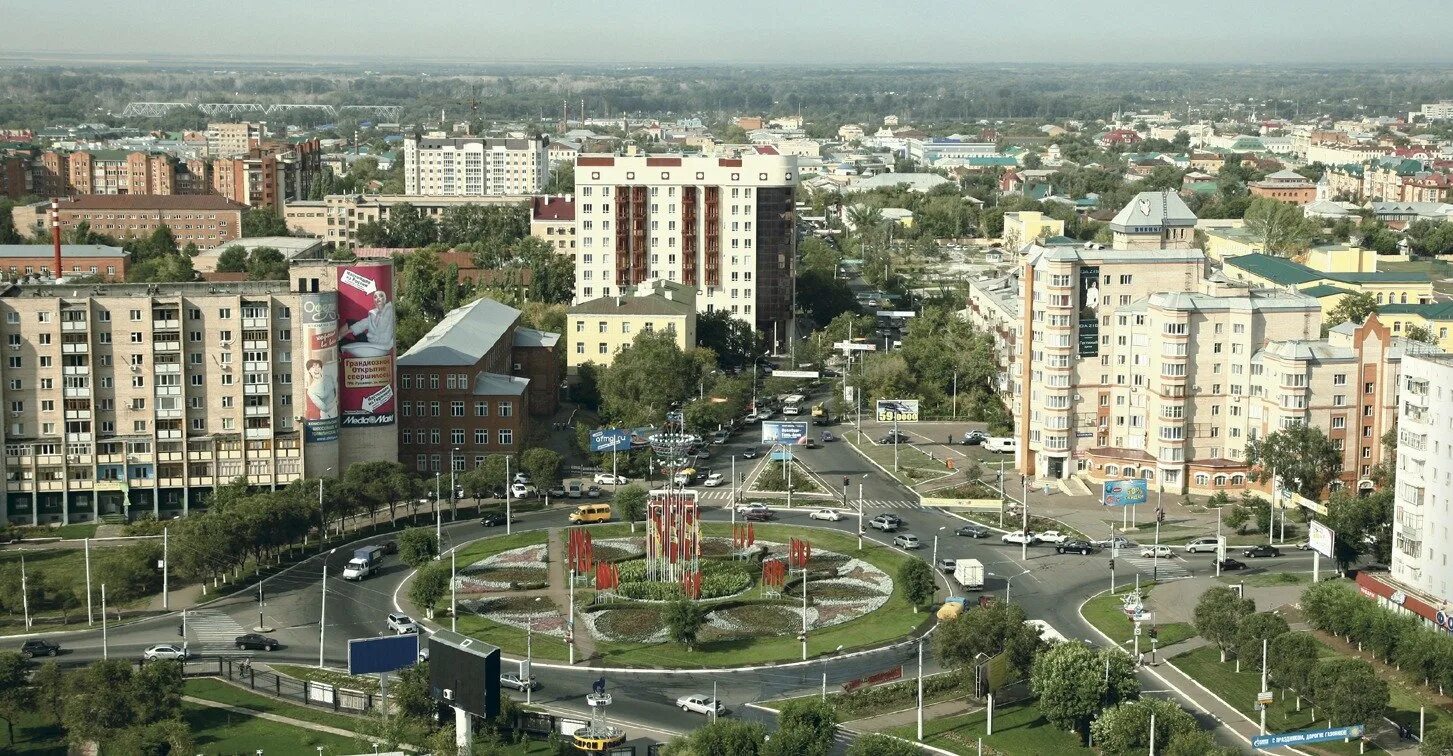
x=292, y=690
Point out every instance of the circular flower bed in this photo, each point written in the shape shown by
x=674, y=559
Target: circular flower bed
x=718, y=579
x=506, y=571
x=522, y=612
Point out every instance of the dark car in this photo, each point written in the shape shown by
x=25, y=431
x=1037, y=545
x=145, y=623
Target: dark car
x=752, y=452
x=1232, y=564
x=492, y=520
x=757, y=515
x=1261, y=551
x=390, y=547
x=893, y=518
x=1075, y=547
x=38, y=647
x=593, y=492
x=894, y=438
x=972, y=531
x=947, y=564
x=256, y=641
x=974, y=438
x=557, y=492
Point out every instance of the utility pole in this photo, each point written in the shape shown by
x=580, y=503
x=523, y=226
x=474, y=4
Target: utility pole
x=1263, y=684
x=860, y=517
x=1024, y=510
x=1152, y=732
x=322, y=614
x=453, y=596
x=90, y=617
x=453, y=511
x=895, y=442
x=507, y=495
x=25, y=594
x=804, y=612
x=166, y=566
x=105, y=652
x=438, y=520
x=920, y=689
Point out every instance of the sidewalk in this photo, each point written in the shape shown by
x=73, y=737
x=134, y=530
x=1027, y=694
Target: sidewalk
x=275, y=718
x=559, y=593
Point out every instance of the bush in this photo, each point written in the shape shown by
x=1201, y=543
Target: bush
x=717, y=579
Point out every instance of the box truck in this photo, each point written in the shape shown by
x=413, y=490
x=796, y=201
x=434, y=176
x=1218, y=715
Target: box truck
x=970, y=574
x=365, y=562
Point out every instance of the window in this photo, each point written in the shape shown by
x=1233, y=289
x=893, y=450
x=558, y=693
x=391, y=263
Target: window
x=481, y=436
x=481, y=409
x=406, y=381
x=433, y=409
x=407, y=437
x=456, y=409
x=456, y=436
x=506, y=437
x=1339, y=379
x=1339, y=421
x=506, y=409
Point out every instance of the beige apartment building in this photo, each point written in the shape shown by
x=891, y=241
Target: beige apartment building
x=138, y=399
x=475, y=166
x=552, y=220
x=599, y=329
x=232, y=139
x=337, y=217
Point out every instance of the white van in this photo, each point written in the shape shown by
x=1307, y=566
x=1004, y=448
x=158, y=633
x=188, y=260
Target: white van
x=792, y=404
x=1001, y=444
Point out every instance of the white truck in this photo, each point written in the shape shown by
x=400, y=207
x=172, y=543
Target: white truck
x=970, y=574
x=365, y=560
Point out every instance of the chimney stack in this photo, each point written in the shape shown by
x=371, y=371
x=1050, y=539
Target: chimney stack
x=55, y=234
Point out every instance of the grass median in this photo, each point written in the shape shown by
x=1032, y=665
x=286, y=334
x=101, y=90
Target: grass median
x=1106, y=614
x=219, y=731
x=1019, y=728
x=222, y=692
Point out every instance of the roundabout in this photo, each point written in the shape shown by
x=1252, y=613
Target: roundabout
x=747, y=586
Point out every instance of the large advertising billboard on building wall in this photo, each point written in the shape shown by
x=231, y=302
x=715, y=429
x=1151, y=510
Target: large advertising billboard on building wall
x=1089, y=311
x=320, y=367
x=366, y=327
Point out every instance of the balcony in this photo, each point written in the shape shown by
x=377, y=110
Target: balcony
x=167, y=346
x=168, y=435
x=262, y=411
x=75, y=370
x=170, y=324
x=74, y=325
x=255, y=367
x=255, y=389
x=75, y=348
x=255, y=345
x=168, y=390
x=168, y=414
x=257, y=433
x=1413, y=414
x=255, y=323
x=78, y=414
x=166, y=367
x=169, y=456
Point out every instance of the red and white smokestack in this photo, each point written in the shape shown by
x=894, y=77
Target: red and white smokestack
x=55, y=234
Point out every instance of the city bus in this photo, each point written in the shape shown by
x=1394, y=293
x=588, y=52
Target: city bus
x=792, y=404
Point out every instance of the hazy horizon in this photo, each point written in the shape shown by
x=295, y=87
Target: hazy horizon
x=653, y=32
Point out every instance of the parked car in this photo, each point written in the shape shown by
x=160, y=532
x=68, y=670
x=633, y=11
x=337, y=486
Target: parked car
x=521, y=490
x=831, y=515
x=1075, y=546
x=1001, y=444
x=39, y=647
x=894, y=438
x=1019, y=537
x=166, y=651
x=492, y=519
x=610, y=479
x=1261, y=551
x=256, y=641
x=974, y=438
x=883, y=523
x=973, y=531
x=1163, y=552
x=1207, y=544
x=701, y=704
x=713, y=480
x=557, y=492
x=758, y=515
x=573, y=489
x=752, y=506
x=1052, y=536
x=401, y=624
x=513, y=681
x=1232, y=564
x=907, y=541
x=752, y=452
x=948, y=564
x=521, y=478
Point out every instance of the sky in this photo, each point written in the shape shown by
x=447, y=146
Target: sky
x=860, y=32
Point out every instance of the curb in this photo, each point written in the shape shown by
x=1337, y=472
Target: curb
x=1156, y=674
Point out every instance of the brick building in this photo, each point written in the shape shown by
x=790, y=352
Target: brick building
x=469, y=386
x=552, y=220
x=18, y=261
x=206, y=220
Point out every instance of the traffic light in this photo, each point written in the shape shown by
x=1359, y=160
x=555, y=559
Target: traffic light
x=1153, y=632
x=1159, y=515
x=845, y=481
x=1112, y=565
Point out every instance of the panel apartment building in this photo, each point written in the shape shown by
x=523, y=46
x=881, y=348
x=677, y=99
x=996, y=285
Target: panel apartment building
x=475, y=166
x=724, y=225
x=1134, y=361
x=139, y=399
x=1423, y=521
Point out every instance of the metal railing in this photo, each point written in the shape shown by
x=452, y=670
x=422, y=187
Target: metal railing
x=292, y=690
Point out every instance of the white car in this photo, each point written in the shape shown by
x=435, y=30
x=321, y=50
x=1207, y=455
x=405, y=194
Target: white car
x=608, y=479
x=1163, y=552
x=513, y=680
x=166, y=651
x=522, y=478
x=699, y=703
x=755, y=506
x=401, y=624
x=713, y=480
x=907, y=541
x=521, y=490
x=831, y=515
x=1019, y=536
x=1207, y=544
x=1052, y=536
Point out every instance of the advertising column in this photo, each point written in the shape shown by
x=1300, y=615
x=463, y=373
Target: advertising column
x=366, y=347
x=320, y=384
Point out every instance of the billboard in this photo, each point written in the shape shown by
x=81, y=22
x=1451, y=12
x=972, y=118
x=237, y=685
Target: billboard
x=897, y=410
x=1321, y=538
x=464, y=673
x=366, y=343
x=610, y=439
x=1304, y=737
x=1090, y=311
x=371, y=656
x=320, y=367
x=783, y=432
x=795, y=374
x=1122, y=493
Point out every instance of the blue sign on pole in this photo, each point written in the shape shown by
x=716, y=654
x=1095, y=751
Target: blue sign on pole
x=368, y=656
x=1305, y=737
x=1123, y=493
x=610, y=439
x=783, y=432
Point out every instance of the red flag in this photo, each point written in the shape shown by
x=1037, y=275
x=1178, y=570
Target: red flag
x=751, y=534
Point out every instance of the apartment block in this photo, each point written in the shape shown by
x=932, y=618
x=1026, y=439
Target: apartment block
x=232, y=139
x=20, y=261
x=724, y=226
x=475, y=166
x=1422, y=538
x=600, y=328
x=343, y=214
x=269, y=175
x=552, y=220
x=468, y=388
x=139, y=399
x=206, y=220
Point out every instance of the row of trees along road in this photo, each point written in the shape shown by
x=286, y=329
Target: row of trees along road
x=111, y=703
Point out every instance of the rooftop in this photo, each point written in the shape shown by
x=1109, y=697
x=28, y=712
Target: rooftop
x=1284, y=272
x=190, y=289
x=463, y=336
x=529, y=337
x=68, y=251
x=496, y=384
x=626, y=304
x=918, y=182
x=1250, y=300
x=556, y=208
x=1154, y=209
x=1100, y=254
x=148, y=202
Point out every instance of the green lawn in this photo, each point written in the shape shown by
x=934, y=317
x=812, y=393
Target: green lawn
x=328, y=677
x=1018, y=729
x=890, y=622
x=76, y=531
x=886, y=698
x=223, y=692
x=1267, y=579
x=492, y=545
x=35, y=736
x=1105, y=614
x=217, y=731
x=909, y=458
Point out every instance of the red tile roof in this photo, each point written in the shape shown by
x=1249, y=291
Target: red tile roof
x=556, y=208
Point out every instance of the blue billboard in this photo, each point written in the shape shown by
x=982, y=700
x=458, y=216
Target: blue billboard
x=610, y=439
x=369, y=656
x=1123, y=493
x=783, y=432
x=1303, y=737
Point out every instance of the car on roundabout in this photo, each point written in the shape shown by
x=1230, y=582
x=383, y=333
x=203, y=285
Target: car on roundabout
x=166, y=651
x=907, y=541
x=972, y=531
x=492, y=519
x=256, y=641
x=830, y=515
x=758, y=515
x=701, y=704
x=402, y=624
x=1162, y=552
x=1207, y=544
x=752, y=506
x=1229, y=564
x=1019, y=537
x=1256, y=552
x=38, y=647
x=713, y=480
x=1053, y=536
x=1075, y=546
x=610, y=479
x=752, y=452
x=513, y=681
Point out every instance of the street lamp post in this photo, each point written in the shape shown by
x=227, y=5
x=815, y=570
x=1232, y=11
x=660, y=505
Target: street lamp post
x=453, y=512
x=438, y=521
x=860, y=517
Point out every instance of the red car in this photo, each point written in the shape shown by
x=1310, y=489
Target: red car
x=758, y=515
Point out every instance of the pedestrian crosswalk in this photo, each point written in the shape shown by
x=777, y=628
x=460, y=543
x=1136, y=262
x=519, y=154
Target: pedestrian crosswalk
x=723, y=495
x=1163, y=569
x=212, y=633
